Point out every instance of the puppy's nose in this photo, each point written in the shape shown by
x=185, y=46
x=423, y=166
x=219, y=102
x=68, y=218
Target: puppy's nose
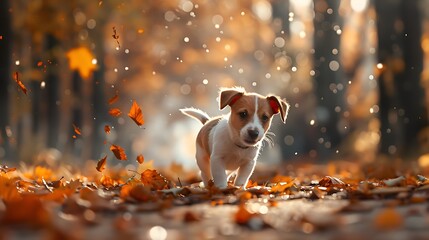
x=253, y=133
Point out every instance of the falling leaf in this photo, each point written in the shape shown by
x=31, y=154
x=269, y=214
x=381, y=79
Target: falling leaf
x=20, y=84
x=136, y=114
x=107, y=129
x=115, y=112
x=119, y=152
x=101, y=164
x=81, y=59
x=77, y=130
x=116, y=37
x=113, y=99
x=140, y=159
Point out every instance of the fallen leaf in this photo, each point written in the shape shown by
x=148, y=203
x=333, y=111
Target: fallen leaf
x=28, y=210
x=101, y=164
x=242, y=216
x=6, y=169
x=388, y=219
x=281, y=178
x=191, y=217
x=115, y=112
x=19, y=82
x=119, y=152
x=136, y=114
x=113, y=99
x=140, y=159
x=43, y=173
x=107, y=129
x=329, y=181
x=8, y=189
x=153, y=179
x=77, y=130
x=394, y=181
x=107, y=181
x=81, y=59
x=141, y=193
x=281, y=186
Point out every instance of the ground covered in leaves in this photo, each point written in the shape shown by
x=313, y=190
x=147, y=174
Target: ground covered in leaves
x=331, y=201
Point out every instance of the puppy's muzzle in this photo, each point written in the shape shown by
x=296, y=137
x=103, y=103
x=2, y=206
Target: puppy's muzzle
x=253, y=134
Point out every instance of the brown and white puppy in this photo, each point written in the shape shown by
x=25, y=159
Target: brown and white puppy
x=232, y=142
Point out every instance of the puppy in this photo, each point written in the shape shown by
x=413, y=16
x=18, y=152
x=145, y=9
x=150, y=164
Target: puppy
x=232, y=142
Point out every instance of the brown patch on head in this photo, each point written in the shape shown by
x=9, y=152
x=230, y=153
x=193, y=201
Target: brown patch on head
x=242, y=111
x=228, y=96
x=279, y=106
x=265, y=112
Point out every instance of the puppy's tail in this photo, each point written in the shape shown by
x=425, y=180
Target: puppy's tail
x=196, y=113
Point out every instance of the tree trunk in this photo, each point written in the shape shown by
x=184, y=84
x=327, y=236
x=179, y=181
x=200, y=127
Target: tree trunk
x=5, y=75
x=52, y=91
x=402, y=110
x=329, y=80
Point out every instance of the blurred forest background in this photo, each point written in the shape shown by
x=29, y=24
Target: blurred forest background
x=355, y=72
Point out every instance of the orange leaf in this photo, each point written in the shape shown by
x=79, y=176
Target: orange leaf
x=136, y=114
x=107, y=181
x=388, y=219
x=6, y=169
x=242, y=216
x=107, y=129
x=115, y=112
x=118, y=151
x=77, y=130
x=101, y=164
x=113, y=99
x=81, y=59
x=153, y=179
x=281, y=186
x=28, y=211
x=20, y=84
x=140, y=159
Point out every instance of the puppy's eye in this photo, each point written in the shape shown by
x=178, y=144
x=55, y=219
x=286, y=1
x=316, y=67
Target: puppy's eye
x=264, y=118
x=243, y=114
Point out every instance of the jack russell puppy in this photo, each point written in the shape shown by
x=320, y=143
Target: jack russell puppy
x=232, y=142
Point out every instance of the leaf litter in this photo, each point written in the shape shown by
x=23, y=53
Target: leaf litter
x=304, y=201
x=299, y=204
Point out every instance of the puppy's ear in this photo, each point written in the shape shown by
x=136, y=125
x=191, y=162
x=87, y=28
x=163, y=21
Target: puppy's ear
x=279, y=105
x=229, y=96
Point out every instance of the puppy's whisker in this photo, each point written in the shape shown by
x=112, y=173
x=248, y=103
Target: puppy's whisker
x=269, y=138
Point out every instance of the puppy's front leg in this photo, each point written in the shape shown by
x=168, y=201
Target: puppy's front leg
x=244, y=173
x=218, y=172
